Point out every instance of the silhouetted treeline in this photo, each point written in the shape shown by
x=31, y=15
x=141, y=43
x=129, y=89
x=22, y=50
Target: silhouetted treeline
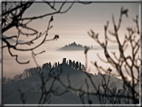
x=29, y=72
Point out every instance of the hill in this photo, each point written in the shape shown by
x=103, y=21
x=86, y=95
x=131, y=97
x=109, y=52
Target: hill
x=73, y=47
x=71, y=71
x=11, y=40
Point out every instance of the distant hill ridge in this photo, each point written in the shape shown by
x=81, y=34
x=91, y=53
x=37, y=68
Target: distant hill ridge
x=74, y=68
x=12, y=40
x=30, y=83
x=34, y=71
x=73, y=46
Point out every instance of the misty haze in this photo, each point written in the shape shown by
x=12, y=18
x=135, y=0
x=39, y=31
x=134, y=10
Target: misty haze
x=70, y=53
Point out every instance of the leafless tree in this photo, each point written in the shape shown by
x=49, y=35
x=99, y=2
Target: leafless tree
x=130, y=62
x=13, y=16
x=126, y=66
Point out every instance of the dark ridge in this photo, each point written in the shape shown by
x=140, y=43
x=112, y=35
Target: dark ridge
x=74, y=46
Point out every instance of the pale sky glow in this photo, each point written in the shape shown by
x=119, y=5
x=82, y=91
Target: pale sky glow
x=81, y=18
x=71, y=27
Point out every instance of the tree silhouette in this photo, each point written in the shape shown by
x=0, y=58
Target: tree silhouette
x=130, y=62
x=12, y=16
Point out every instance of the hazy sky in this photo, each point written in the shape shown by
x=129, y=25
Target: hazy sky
x=80, y=19
x=72, y=26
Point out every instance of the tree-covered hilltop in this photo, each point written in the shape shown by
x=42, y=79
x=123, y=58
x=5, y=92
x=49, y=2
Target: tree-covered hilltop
x=74, y=46
x=46, y=67
x=70, y=73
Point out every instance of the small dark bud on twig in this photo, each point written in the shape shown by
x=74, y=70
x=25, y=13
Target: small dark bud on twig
x=56, y=37
x=95, y=64
x=124, y=11
x=51, y=19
